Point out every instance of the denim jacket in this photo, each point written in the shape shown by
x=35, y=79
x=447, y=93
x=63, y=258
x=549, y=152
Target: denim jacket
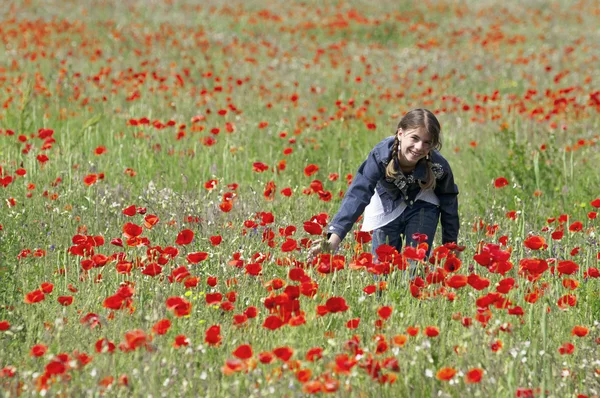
x=371, y=176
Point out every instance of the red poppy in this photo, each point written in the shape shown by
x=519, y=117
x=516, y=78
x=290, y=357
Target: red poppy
x=418, y=237
x=512, y=214
x=55, y=367
x=412, y=253
x=496, y=346
x=400, y=340
x=283, y=353
x=370, y=289
x=595, y=203
x=265, y=357
x=185, y=237
x=213, y=335
x=336, y=304
x=130, y=211
x=191, y=282
x=353, y=323
x=38, y=350
x=477, y=282
x=6, y=181
x=289, y=245
x=210, y=184
x=474, y=376
x=161, y=327
x=310, y=169
x=4, y=325
x=34, y=297
x=65, y=300
x=452, y=263
x=226, y=206
x=567, y=267
x=131, y=230
x=251, y=312
x=384, y=312
x=313, y=228
x=152, y=269
x=314, y=353
x=272, y=322
x=505, y=285
x=445, y=374
x=215, y=240
x=576, y=226
x=566, y=349
x=412, y=330
x=104, y=345
x=253, y=269
x=47, y=287
x=150, y=220
x=180, y=306
x=457, y=281
x=212, y=281
x=259, y=167
x=116, y=302
x=570, y=284
x=500, y=182
x=243, y=351
x=516, y=310
x=431, y=331
x=90, y=179
x=533, y=266
x=593, y=272
x=579, y=331
x=535, y=242
x=181, y=341
x=134, y=339
x=197, y=257
x=240, y=319
x=179, y=274
x=213, y=298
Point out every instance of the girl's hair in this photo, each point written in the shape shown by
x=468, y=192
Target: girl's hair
x=416, y=119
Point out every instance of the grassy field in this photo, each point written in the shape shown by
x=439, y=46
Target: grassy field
x=164, y=166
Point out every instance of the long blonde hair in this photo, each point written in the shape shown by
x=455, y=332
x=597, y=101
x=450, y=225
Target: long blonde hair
x=416, y=119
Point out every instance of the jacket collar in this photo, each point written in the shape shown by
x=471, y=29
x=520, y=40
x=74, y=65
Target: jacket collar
x=420, y=171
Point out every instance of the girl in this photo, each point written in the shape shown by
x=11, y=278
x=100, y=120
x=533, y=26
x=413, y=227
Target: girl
x=404, y=187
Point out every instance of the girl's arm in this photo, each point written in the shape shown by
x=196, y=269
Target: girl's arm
x=447, y=192
x=357, y=197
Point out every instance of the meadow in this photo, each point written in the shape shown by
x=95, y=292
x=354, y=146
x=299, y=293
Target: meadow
x=164, y=166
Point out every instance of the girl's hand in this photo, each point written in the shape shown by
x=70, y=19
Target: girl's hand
x=315, y=249
x=322, y=245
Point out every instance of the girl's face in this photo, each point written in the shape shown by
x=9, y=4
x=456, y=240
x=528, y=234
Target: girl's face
x=414, y=145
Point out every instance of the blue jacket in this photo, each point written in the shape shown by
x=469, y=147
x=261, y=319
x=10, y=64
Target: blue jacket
x=371, y=176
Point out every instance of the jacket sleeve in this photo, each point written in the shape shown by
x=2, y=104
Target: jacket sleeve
x=447, y=193
x=358, y=195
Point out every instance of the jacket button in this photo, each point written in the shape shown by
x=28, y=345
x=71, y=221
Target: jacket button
x=411, y=202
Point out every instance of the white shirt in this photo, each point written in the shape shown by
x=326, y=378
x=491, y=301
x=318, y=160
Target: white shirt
x=374, y=217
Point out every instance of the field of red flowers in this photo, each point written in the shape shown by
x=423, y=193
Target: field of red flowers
x=165, y=165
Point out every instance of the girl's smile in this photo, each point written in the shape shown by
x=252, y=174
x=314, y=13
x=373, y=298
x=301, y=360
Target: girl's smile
x=414, y=146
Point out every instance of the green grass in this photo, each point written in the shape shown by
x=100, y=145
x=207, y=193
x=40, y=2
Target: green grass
x=443, y=56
